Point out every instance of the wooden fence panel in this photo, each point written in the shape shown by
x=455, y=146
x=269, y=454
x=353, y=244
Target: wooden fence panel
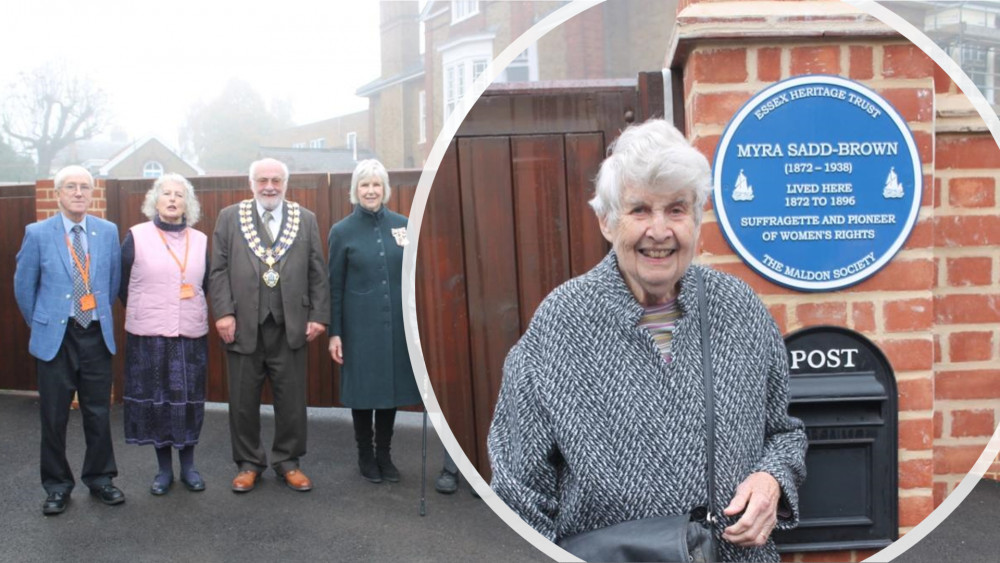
x=442, y=303
x=490, y=261
x=540, y=219
x=584, y=153
x=18, y=204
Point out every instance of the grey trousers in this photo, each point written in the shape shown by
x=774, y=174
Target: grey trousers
x=275, y=361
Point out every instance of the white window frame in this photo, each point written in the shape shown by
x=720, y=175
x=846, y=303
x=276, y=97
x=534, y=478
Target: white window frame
x=298, y=145
x=422, y=116
x=460, y=63
x=152, y=169
x=527, y=58
x=351, y=140
x=462, y=10
x=422, y=36
x=317, y=143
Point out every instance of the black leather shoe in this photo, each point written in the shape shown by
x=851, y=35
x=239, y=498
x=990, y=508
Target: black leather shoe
x=55, y=503
x=160, y=486
x=446, y=483
x=109, y=494
x=193, y=482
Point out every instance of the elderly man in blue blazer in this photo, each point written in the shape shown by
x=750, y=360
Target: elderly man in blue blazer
x=68, y=272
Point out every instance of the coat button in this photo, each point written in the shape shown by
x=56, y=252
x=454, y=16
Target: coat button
x=67, y=296
x=62, y=322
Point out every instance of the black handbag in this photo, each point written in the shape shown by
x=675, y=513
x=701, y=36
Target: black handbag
x=680, y=538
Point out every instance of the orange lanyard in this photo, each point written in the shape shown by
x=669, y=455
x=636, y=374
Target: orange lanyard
x=84, y=269
x=183, y=267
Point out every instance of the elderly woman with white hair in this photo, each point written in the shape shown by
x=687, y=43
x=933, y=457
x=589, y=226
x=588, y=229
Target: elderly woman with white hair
x=165, y=273
x=601, y=419
x=366, y=322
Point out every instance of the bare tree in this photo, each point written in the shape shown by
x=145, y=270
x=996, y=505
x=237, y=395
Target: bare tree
x=49, y=108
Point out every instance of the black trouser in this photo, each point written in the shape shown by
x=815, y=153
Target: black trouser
x=82, y=365
x=286, y=368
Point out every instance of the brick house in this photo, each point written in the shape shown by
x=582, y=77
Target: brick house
x=345, y=132
x=431, y=57
x=146, y=158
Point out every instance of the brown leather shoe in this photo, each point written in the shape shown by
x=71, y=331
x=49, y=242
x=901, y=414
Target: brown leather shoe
x=245, y=481
x=297, y=480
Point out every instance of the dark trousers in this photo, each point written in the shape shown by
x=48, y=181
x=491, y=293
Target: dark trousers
x=275, y=361
x=83, y=366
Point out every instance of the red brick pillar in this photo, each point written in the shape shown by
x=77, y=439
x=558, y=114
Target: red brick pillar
x=47, y=202
x=967, y=290
x=727, y=52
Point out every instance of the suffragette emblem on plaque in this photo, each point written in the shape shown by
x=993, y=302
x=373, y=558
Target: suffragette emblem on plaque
x=817, y=182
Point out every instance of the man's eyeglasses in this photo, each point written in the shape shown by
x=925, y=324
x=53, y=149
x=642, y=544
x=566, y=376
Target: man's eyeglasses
x=70, y=188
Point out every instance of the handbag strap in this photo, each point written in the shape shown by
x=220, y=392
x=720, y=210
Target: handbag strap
x=706, y=366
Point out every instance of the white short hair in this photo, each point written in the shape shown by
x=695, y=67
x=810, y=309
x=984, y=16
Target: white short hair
x=656, y=156
x=367, y=169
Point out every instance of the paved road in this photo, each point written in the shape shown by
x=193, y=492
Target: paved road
x=342, y=518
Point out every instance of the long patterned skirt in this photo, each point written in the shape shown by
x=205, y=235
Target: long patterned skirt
x=164, y=389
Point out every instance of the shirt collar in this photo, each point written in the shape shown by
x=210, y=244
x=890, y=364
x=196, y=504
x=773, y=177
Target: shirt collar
x=68, y=224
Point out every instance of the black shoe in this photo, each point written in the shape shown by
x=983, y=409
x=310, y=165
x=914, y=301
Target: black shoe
x=109, y=494
x=161, y=485
x=369, y=469
x=193, y=481
x=385, y=465
x=55, y=503
x=447, y=482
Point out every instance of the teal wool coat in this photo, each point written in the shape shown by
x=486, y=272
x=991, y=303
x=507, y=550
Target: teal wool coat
x=366, y=263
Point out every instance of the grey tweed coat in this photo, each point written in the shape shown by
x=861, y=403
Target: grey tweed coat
x=593, y=428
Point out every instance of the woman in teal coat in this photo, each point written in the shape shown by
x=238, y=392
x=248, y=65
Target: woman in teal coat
x=366, y=324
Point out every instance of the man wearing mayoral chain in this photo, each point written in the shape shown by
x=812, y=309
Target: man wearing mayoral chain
x=269, y=291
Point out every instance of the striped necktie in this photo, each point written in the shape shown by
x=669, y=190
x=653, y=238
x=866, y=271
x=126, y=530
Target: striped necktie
x=82, y=317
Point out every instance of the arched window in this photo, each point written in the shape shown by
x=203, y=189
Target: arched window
x=152, y=169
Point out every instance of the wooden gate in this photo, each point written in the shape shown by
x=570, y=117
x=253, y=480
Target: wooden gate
x=507, y=220
x=18, y=205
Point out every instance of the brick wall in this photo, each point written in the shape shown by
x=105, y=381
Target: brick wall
x=47, y=203
x=966, y=298
x=933, y=309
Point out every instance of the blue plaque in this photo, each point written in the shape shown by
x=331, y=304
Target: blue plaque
x=817, y=182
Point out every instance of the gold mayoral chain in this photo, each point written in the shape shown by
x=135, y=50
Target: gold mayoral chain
x=269, y=255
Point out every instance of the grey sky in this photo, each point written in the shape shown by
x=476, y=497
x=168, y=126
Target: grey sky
x=155, y=59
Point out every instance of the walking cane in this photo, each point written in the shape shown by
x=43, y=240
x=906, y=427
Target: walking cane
x=423, y=468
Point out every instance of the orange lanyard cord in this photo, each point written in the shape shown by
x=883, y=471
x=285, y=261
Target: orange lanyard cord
x=84, y=269
x=187, y=247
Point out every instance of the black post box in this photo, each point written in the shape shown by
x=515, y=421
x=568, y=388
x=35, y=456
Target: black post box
x=844, y=389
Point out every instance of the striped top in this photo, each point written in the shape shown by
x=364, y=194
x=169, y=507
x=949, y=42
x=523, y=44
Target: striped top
x=660, y=320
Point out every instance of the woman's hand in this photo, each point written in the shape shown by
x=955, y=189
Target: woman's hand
x=337, y=349
x=226, y=327
x=757, y=498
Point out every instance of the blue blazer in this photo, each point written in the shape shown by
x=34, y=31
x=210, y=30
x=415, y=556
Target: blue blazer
x=43, y=281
